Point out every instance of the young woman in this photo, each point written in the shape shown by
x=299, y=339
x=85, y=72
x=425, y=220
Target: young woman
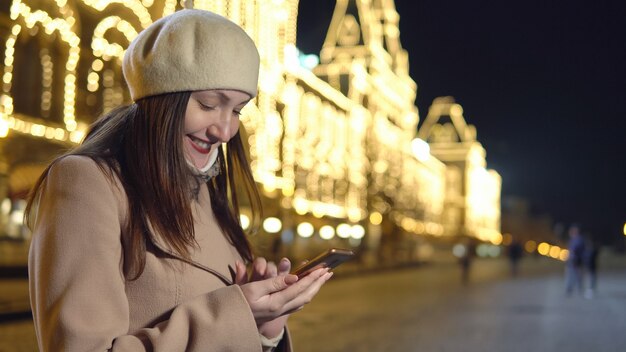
x=137, y=243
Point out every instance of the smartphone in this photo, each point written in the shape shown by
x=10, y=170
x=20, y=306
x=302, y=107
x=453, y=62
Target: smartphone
x=329, y=259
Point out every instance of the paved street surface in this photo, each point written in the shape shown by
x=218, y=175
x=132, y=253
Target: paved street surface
x=426, y=308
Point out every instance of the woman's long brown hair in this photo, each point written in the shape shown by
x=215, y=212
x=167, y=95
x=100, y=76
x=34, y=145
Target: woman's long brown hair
x=142, y=145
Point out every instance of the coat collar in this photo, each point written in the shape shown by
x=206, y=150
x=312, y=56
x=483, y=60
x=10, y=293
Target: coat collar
x=158, y=242
x=202, y=201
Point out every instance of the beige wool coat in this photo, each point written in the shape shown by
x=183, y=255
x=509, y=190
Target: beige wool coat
x=81, y=300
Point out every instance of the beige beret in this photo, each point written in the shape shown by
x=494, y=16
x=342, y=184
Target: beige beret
x=191, y=50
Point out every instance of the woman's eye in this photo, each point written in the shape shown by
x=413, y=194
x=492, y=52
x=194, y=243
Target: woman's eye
x=206, y=107
x=238, y=113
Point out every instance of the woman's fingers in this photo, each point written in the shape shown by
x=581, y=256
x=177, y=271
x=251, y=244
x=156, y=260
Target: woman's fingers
x=291, y=311
x=271, y=270
x=284, y=266
x=283, y=294
x=260, y=291
x=298, y=293
x=306, y=295
x=241, y=276
x=259, y=266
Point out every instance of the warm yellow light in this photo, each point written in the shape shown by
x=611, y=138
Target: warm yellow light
x=530, y=246
x=272, y=225
x=318, y=212
x=93, y=77
x=288, y=191
x=564, y=254
x=59, y=134
x=16, y=29
x=76, y=136
x=139, y=9
x=268, y=188
x=380, y=166
x=407, y=224
x=299, y=124
x=419, y=228
x=49, y=133
x=97, y=65
x=5, y=206
x=376, y=218
x=625, y=229
x=70, y=125
x=38, y=130
x=8, y=76
x=496, y=239
x=357, y=232
x=4, y=128
x=543, y=248
x=431, y=228
x=245, y=221
x=327, y=232
x=555, y=251
x=305, y=230
x=420, y=149
x=354, y=214
x=344, y=230
x=456, y=110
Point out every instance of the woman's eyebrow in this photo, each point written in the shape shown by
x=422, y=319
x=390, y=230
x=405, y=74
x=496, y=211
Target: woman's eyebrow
x=244, y=102
x=225, y=99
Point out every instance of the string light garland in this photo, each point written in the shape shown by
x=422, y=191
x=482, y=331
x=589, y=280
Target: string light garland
x=337, y=141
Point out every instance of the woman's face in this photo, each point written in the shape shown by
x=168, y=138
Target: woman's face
x=211, y=118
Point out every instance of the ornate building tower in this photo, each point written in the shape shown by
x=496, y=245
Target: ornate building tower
x=472, y=200
x=362, y=57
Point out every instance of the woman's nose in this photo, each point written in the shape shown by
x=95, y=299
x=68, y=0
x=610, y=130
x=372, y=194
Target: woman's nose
x=220, y=130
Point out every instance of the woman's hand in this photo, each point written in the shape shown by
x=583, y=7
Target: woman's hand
x=273, y=293
x=271, y=328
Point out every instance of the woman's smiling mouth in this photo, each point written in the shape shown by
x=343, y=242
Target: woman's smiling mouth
x=200, y=145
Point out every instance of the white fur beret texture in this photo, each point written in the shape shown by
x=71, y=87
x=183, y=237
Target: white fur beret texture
x=191, y=50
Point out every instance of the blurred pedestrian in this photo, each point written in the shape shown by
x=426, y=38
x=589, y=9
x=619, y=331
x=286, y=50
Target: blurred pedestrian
x=592, y=250
x=464, y=251
x=137, y=241
x=515, y=255
x=574, y=263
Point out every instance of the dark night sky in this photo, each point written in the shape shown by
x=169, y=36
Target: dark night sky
x=544, y=82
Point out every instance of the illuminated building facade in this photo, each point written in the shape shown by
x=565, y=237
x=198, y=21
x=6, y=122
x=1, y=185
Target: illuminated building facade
x=472, y=200
x=363, y=59
x=332, y=149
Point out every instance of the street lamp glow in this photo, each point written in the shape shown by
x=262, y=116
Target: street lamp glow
x=496, y=239
x=564, y=255
x=344, y=230
x=543, y=248
x=305, y=230
x=327, y=232
x=4, y=128
x=625, y=229
x=245, y=221
x=494, y=251
x=555, y=252
x=376, y=218
x=272, y=225
x=530, y=246
x=357, y=232
x=459, y=250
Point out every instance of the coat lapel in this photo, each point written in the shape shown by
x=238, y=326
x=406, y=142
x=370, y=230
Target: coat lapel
x=197, y=208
